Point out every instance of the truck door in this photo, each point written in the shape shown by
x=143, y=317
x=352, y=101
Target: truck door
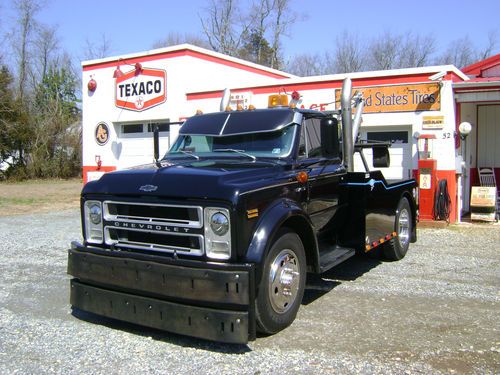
x=325, y=170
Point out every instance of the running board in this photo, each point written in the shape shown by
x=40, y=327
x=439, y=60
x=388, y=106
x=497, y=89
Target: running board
x=334, y=255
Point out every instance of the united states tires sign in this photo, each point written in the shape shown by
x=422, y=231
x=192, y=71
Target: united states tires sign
x=138, y=92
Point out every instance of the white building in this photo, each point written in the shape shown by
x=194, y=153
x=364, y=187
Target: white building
x=168, y=85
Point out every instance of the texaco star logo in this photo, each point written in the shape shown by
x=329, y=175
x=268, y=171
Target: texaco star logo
x=139, y=102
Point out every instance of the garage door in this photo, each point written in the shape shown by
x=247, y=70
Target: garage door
x=488, y=151
x=400, y=151
x=134, y=145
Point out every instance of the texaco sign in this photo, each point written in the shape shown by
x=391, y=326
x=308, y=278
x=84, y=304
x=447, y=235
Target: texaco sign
x=138, y=92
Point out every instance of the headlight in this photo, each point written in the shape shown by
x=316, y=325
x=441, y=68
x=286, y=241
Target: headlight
x=92, y=214
x=95, y=213
x=217, y=233
x=219, y=223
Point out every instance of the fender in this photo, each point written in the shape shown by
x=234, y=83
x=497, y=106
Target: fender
x=269, y=224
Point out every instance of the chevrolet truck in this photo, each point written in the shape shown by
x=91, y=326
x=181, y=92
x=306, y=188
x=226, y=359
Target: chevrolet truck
x=215, y=239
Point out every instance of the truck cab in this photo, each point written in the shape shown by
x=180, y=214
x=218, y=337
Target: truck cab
x=215, y=239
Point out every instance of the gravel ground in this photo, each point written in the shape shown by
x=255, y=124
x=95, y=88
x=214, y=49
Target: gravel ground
x=436, y=311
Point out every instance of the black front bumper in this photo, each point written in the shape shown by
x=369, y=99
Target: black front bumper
x=214, y=301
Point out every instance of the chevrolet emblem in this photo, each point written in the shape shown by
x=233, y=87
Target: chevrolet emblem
x=148, y=188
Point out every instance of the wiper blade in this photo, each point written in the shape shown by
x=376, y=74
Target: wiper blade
x=189, y=154
x=241, y=152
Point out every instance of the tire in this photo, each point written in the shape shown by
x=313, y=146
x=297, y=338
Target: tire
x=282, y=285
x=397, y=247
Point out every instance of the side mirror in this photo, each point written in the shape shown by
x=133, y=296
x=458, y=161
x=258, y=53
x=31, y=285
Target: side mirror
x=381, y=157
x=329, y=128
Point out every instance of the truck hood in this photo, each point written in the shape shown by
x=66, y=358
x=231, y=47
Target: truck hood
x=220, y=180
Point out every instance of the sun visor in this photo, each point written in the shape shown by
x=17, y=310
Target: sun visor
x=232, y=123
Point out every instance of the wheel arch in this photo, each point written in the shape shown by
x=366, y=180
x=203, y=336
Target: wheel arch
x=298, y=225
x=283, y=214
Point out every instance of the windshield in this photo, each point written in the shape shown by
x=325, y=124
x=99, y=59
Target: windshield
x=275, y=144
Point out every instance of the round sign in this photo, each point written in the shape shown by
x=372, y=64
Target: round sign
x=102, y=133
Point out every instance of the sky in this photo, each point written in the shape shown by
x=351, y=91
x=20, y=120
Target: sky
x=134, y=26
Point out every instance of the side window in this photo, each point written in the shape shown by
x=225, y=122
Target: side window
x=317, y=140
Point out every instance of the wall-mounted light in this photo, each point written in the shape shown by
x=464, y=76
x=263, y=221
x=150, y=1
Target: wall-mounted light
x=98, y=161
x=118, y=73
x=438, y=76
x=464, y=129
x=92, y=84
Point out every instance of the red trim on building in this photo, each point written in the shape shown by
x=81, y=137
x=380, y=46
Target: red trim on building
x=477, y=68
x=458, y=117
x=454, y=77
x=479, y=88
x=179, y=53
x=318, y=85
x=93, y=168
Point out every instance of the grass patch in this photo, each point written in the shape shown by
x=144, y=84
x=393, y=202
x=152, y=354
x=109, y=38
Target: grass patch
x=39, y=196
x=22, y=201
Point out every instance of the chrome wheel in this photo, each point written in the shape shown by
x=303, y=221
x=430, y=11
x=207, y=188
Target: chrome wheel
x=404, y=227
x=284, y=281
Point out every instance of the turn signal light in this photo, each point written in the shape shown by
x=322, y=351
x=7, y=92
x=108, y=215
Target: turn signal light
x=302, y=177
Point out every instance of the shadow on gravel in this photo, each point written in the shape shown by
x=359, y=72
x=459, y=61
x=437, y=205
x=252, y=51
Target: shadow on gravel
x=316, y=286
x=351, y=269
x=166, y=337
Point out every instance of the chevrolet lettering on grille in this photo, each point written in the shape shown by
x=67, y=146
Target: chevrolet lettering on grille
x=152, y=227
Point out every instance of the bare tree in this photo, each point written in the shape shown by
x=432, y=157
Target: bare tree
x=46, y=45
x=22, y=38
x=415, y=50
x=283, y=19
x=460, y=53
x=259, y=19
x=383, y=51
x=97, y=49
x=490, y=46
x=348, y=56
x=223, y=26
x=254, y=34
x=305, y=65
x=173, y=39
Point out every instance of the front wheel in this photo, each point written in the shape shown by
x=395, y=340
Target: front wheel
x=397, y=247
x=282, y=285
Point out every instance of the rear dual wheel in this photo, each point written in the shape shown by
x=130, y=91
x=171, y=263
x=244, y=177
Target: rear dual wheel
x=282, y=285
x=397, y=247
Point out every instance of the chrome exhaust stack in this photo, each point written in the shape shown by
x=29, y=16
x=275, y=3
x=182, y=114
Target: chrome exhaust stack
x=226, y=98
x=347, y=135
x=350, y=128
x=359, y=103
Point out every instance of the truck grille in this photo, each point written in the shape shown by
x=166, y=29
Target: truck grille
x=154, y=227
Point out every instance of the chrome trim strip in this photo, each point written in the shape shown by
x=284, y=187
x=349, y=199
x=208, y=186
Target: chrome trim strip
x=269, y=187
x=152, y=246
x=153, y=220
x=225, y=123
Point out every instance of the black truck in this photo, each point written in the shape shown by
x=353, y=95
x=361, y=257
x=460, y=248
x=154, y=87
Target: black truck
x=215, y=239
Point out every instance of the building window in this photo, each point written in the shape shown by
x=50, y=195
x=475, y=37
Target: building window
x=162, y=126
x=142, y=129
x=132, y=128
x=393, y=137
